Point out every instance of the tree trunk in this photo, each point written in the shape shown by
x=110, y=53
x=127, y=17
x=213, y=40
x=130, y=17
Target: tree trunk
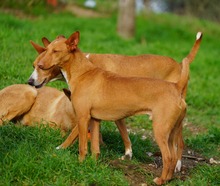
x=126, y=18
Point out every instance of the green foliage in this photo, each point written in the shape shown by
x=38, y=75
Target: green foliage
x=199, y=8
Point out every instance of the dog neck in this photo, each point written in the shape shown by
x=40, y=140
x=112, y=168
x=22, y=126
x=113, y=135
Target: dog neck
x=76, y=66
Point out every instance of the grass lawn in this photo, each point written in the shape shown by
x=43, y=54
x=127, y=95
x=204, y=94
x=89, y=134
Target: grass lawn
x=28, y=155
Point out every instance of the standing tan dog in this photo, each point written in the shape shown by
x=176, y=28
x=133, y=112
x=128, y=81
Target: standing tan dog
x=147, y=65
x=103, y=95
x=31, y=106
x=153, y=66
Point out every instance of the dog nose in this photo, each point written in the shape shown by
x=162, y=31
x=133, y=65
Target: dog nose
x=31, y=81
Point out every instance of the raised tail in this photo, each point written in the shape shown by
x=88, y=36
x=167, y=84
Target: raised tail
x=195, y=47
x=184, y=77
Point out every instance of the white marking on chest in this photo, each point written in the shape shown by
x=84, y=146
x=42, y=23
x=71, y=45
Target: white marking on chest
x=87, y=55
x=66, y=77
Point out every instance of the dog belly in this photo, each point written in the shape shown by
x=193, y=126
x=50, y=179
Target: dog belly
x=117, y=113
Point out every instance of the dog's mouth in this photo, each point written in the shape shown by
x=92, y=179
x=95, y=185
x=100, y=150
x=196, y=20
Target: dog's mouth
x=42, y=84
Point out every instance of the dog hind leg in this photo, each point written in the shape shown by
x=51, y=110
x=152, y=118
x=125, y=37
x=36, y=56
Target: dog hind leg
x=125, y=137
x=70, y=139
x=164, y=132
x=161, y=136
x=176, y=145
x=180, y=142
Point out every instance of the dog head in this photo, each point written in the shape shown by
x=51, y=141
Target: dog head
x=58, y=51
x=52, y=56
x=41, y=77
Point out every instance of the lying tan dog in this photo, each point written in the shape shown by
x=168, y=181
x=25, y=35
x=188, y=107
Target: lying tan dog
x=29, y=105
x=102, y=95
x=153, y=66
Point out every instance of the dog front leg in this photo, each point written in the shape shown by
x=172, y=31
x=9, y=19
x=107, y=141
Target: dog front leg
x=125, y=137
x=94, y=128
x=83, y=122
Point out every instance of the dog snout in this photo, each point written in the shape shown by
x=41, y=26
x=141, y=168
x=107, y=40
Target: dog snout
x=31, y=81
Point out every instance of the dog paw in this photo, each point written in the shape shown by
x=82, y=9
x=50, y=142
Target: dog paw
x=126, y=157
x=178, y=166
x=158, y=181
x=59, y=147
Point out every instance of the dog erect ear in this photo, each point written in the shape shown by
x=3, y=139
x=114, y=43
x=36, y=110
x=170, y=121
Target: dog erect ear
x=67, y=93
x=73, y=41
x=45, y=41
x=37, y=47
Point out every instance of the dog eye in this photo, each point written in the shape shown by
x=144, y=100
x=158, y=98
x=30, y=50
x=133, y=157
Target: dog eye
x=55, y=51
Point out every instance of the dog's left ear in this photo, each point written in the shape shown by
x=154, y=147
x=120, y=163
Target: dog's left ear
x=73, y=41
x=37, y=47
x=45, y=41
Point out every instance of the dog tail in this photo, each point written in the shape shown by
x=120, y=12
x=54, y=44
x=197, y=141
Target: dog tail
x=184, y=77
x=195, y=47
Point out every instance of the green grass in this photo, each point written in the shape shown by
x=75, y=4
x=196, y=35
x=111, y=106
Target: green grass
x=28, y=155
x=212, y=138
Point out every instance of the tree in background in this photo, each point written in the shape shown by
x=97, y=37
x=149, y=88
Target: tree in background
x=200, y=8
x=126, y=18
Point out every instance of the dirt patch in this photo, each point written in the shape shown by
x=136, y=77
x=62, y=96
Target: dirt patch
x=137, y=174
x=194, y=129
x=83, y=12
x=74, y=9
